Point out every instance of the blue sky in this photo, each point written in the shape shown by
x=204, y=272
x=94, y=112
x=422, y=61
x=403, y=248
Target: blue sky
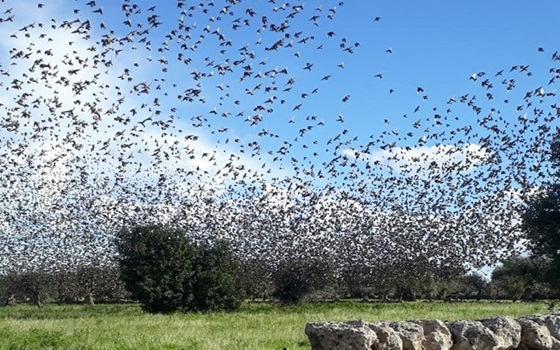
x=437, y=45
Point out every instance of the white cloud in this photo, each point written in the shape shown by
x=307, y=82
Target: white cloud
x=425, y=158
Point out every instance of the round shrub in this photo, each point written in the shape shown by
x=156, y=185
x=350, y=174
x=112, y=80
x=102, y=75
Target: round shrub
x=166, y=272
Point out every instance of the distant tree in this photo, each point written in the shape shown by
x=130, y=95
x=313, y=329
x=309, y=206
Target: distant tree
x=36, y=286
x=522, y=277
x=255, y=279
x=542, y=223
x=100, y=283
x=295, y=279
x=87, y=282
x=420, y=277
x=109, y=286
x=474, y=285
x=67, y=287
x=8, y=289
x=358, y=281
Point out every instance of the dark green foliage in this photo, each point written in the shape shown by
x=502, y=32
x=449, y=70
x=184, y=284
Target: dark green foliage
x=474, y=285
x=213, y=287
x=166, y=272
x=541, y=220
x=156, y=263
x=542, y=223
x=36, y=286
x=521, y=277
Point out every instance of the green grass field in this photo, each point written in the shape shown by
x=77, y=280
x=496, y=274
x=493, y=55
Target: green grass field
x=255, y=326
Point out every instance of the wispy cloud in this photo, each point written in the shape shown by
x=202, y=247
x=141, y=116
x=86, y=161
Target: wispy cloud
x=420, y=159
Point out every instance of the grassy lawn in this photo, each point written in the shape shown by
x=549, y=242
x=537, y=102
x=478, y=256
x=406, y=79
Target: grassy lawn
x=255, y=326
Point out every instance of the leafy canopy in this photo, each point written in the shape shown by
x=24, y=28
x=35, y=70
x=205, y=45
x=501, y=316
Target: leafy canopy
x=166, y=272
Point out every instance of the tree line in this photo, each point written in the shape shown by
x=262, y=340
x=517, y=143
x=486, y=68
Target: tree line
x=292, y=282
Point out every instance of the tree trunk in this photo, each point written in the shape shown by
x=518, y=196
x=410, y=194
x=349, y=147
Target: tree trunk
x=89, y=299
x=408, y=295
x=527, y=294
x=10, y=300
x=38, y=301
x=478, y=294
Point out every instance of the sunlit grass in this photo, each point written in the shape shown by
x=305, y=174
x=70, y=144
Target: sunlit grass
x=255, y=326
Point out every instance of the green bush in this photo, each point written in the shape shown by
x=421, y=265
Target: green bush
x=214, y=287
x=166, y=272
x=155, y=264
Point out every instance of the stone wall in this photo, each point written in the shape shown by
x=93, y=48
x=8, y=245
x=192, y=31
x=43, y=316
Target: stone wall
x=536, y=332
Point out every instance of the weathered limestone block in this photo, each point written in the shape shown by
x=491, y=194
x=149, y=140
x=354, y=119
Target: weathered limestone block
x=436, y=335
x=506, y=330
x=537, y=332
x=353, y=335
x=387, y=338
x=552, y=322
x=411, y=334
x=471, y=335
x=540, y=331
x=534, y=335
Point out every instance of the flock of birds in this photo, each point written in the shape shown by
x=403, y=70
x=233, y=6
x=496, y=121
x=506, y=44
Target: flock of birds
x=184, y=113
